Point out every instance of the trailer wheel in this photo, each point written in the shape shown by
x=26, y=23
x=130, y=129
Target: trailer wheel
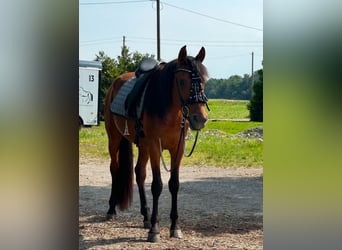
x=80, y=123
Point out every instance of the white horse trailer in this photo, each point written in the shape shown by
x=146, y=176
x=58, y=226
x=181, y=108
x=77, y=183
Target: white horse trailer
x=89, y=82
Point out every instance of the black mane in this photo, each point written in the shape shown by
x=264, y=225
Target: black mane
x=158, y=96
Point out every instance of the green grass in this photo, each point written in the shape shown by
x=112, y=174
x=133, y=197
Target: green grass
x=93, y=142
x=227, y=109
x=230, y=127
x=215, y=146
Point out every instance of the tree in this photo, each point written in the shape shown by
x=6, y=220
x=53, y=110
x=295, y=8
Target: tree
x=255, y=106
x=108, y=73
x=235, y=87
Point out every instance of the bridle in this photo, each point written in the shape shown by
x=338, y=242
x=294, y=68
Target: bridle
x=196, y=91
x=196, y=96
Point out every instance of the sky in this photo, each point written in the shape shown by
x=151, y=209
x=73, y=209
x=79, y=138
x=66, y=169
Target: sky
x=229, y=30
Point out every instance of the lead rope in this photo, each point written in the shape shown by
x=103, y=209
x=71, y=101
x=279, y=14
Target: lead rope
x=180, y=139
x=162, y=157
x=193, y=146
x=185, y=111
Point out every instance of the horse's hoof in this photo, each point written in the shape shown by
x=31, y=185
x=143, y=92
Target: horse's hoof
x=110, y=217
x=147, y=224
x=176, y=234
x=153, y=237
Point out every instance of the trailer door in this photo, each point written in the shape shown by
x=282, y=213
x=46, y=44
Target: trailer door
x=88, y=95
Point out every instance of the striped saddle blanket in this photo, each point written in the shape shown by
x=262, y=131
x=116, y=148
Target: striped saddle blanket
x=128, y=103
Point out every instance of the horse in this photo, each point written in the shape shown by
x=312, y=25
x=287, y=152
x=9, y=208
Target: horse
x=174, y=102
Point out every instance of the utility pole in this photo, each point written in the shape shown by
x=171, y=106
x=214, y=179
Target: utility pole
x=158, y=30
x=123, y=52
x=252, y=71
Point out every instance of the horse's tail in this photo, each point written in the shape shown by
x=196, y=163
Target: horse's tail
x=122, y=173
x=124, y=176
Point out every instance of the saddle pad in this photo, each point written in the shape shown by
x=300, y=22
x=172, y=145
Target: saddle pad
x=118, y=104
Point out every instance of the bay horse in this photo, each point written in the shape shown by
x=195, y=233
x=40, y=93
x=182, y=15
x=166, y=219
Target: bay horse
x=174, y=101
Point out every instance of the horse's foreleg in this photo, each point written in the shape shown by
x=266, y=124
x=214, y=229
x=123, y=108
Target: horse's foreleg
x=140, y=172
x=157, y=187
x=174, y=187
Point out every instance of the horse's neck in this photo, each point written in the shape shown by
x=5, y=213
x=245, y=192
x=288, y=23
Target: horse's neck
x=175, y=112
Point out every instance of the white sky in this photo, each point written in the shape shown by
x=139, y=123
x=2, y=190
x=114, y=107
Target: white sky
x=228, y=46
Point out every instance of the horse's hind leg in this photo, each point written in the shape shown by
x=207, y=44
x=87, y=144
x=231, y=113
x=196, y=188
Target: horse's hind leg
x=140, y=172
x=113, y=146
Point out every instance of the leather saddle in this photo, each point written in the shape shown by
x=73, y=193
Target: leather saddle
x=145, y=66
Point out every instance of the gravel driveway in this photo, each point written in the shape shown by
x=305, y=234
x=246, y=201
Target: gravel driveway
x=219, y=208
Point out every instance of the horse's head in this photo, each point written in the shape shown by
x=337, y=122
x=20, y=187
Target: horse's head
x=190, y=78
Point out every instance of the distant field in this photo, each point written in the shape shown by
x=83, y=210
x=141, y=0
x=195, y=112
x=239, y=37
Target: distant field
x=228, y=109
x=215, y=147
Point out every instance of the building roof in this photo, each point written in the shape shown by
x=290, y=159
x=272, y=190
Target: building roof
x=90, y=64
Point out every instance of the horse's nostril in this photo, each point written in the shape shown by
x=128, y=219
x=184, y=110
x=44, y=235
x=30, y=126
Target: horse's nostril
x=198, y=118
x=194, y=118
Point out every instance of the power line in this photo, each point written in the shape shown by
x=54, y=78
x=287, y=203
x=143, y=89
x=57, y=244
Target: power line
x=175, y=44
x=198, y=44
x=195, y=43
x=114, y=2
x=226, y=56
x=186, y=40
x=177, y=7
x=211, y=17
x=172, y=44
x=215, y=43
x=84, y=44
x=102, y=39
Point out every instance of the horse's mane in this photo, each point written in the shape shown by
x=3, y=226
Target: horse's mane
x=158, y=96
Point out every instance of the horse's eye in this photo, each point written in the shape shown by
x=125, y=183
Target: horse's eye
x=182, y=83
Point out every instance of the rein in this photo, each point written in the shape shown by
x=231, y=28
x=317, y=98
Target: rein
x=196, y=96
x=179, y=141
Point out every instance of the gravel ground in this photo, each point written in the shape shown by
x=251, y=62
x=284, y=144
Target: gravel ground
x=219, y=208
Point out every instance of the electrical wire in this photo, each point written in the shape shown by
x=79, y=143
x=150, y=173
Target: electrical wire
x=114, y=2
x=177, y=7
x=135, y=39
x=211, y=17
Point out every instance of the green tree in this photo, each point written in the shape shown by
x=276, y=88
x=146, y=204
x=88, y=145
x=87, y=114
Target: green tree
x=235, y=87
x=108, y=73
x=255, y=106
x=128, y=62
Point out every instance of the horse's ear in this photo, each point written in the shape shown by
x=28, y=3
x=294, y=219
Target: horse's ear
x=201, y=54
x=182, y=55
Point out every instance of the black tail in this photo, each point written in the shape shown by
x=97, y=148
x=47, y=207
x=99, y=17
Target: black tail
x=124, y=177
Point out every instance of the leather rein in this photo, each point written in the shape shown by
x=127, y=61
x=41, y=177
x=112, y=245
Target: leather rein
x=196, y=96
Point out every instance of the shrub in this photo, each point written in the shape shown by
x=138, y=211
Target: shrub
x=255, y=106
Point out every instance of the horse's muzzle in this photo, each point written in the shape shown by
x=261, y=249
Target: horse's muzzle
x=197, y=121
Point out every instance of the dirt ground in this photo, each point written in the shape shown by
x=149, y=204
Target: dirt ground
x=218, y=209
